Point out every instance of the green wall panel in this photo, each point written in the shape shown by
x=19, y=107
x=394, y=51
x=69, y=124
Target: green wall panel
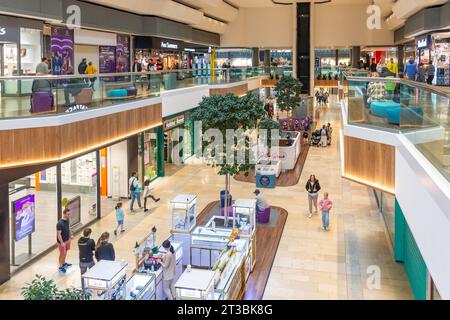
x=407, y=251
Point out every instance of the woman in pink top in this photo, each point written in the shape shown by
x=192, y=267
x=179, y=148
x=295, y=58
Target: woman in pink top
x=325, y=205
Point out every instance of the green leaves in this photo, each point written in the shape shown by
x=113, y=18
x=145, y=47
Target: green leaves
x=43, y=289
x=288, y=91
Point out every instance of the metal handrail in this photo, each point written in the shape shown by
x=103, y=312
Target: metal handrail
x=421, y=85
x=124, y=74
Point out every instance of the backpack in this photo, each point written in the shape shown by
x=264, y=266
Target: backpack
x=132, y=186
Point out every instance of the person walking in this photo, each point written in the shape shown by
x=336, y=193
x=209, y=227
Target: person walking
x=313, y=188
x=148, y=195
x=64, y=237
x=325, y=206
x=431, y=71
x=120, y=216
x=135, y=191
x=42, y=68
x=421, y=73
x=411, y=69
x=323, y=136
x=86, y=247
x=168, y=263
x=82, y=66
x=392, y=67
x=373, y=66
x=104, y=250
x=329, y=130
x=91, y=69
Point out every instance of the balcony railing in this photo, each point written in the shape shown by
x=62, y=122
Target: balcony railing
x=32, y=96
x=418, y=111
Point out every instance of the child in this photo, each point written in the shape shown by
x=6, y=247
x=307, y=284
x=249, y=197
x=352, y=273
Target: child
x=305, y=137
x=148, y=195
x=325, y=205
x=120, y=216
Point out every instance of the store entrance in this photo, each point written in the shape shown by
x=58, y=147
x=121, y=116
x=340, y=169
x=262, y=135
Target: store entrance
x=8, y=67
x=173, y=151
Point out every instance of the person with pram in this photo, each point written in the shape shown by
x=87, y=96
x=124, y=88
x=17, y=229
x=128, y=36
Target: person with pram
x=322, y=137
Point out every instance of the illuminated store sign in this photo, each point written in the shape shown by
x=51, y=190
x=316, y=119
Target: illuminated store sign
x=174, y=122
x=423, y=42
x=168, y=45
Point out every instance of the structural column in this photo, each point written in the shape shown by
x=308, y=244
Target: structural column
x=356, y=56
x=255, y=60
x=304, y=48
x=5, y=272
x=400, y=55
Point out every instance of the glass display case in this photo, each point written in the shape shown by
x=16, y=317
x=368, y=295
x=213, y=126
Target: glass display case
x=195, y=284
x=183, y=212
x=141, y=287
x=245, y=216
x=207, y=243
x=227, y=268
x=108, y=277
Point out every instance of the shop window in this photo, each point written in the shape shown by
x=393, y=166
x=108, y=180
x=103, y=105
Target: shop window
x=148, y=155
x=33, y=207
x=79, y=189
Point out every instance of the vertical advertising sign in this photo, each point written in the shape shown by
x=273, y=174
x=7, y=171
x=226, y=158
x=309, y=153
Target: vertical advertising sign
x=24, y=214
x=62, y=44
x=123, y=54
x=107, y=59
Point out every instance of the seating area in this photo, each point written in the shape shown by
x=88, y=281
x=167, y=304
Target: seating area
x=395, y=113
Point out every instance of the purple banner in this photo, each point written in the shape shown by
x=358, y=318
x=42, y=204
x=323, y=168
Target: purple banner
x=24, y=210
x=107, y=59
x=123, y=54
x=62, y=42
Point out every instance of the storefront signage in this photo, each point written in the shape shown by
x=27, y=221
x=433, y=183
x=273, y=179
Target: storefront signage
x=75, y=108
x=2, y=31
x=173, y=123
x=168, y=45
x=424, y=42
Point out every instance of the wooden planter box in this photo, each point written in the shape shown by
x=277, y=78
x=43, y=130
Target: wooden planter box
x=269, y=82
x=326, y=83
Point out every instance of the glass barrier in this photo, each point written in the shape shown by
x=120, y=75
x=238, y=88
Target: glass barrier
x=30, y=96
x=420, y=112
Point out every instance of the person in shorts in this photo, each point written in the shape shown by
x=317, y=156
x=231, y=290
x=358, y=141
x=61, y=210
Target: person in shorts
x=63, y=237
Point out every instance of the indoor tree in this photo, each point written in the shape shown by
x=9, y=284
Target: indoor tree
x=229, y=112
x=288, y=94
x=269, y=124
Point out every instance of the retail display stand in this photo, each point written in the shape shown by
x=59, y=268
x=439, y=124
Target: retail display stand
x=195, y=284
x=109, y=277
x=141, y=286
x=244, y=211
x=183, y=221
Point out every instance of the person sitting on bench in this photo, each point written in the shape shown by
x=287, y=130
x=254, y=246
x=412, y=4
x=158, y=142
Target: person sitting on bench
x=261, y=202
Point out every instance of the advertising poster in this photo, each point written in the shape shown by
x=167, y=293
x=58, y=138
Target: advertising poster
x=24, y=212
x=107, y=59
x=74, y=206
x=62, y=43
x=123, y=54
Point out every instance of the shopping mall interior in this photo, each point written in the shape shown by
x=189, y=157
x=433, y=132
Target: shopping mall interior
x=224, y=150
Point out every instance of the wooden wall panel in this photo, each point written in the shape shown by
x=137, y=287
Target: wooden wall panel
x=238, y=90
x=370, y=163
x=48, y=144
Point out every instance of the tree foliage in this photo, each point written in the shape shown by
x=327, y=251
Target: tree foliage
x=288, y=93
x=230, y=112
x=42, y=289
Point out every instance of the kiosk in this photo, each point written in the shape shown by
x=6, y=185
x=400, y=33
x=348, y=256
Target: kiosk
x=109, y=277
x=195, y=284
x=184, y=221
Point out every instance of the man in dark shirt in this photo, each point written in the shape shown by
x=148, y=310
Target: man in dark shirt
x=86, y=245
x=63, y=237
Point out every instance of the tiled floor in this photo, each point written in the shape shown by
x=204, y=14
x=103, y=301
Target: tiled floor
x=310, y=263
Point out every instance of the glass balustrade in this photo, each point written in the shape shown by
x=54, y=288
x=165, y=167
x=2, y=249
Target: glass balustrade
x=64, y=94
x=419, y=112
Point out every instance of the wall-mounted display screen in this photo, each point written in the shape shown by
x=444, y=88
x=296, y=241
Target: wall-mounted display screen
x=74, y=206
x=24, y=216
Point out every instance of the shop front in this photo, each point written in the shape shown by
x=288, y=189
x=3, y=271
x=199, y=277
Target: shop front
x=21, y=50
x=160, y=54
x=435, y=49
x=281, y=58
x=178, y=138
x=370, y=54
x=237, y=58
x=199, y=60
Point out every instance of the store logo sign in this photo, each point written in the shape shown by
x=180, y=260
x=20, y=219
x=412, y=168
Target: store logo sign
x=2, y=31
x=168, y=45
x=422, y=43
x=172, y=123
x=374, y=19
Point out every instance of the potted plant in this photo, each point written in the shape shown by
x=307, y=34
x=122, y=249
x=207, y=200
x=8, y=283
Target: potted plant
x=288, y=94
x=42, y=289
x=229, y=112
